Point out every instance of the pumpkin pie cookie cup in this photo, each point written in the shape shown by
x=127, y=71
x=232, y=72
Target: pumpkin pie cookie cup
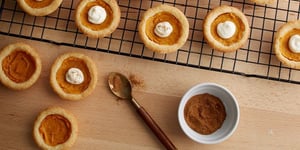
x=55, y=129
x=20, y=66
x=286, y=38
x=73, y=76
x=264, y=1
x=97, y=18
x=163, y=29
x=39, y=7
x=226, y=28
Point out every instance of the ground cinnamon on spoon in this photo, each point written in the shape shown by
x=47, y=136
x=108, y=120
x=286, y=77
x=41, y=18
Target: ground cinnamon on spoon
x=117, y=83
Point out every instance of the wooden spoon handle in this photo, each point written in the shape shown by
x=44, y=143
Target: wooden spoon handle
x=156, y=129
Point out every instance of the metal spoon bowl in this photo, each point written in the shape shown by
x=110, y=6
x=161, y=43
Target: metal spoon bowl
x=121, y=87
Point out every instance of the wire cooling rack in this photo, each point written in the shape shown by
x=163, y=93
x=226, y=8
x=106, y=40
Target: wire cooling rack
x=255, y=59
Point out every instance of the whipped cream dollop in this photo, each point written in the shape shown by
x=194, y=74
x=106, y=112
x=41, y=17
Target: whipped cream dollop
x=294, y=43
x=163, y=29
x=226, y=29
x=97, y=15
x=74, y=76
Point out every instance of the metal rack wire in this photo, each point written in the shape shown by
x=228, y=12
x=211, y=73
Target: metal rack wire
x=255, y=59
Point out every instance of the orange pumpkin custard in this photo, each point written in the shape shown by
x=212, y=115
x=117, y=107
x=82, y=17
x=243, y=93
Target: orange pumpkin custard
x=287, y=44
x=73, y=76
x=20, y=66
x=39, y=7
x=163, y=29
x=97, y=18
x=55, y=128
x=226, y=28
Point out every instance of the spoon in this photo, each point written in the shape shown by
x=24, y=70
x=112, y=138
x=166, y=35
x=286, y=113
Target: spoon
x=121, y=87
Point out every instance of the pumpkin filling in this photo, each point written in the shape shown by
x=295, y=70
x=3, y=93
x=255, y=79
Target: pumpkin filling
x=18, y=66
x=55, y=129
x=159, y=18
x=84, y=15
x=67, y=64
x=38, y=4
x=240, y=27
x=284, y=45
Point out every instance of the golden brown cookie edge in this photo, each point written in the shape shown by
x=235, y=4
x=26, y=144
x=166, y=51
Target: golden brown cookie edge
x=163, y=48
x=101, y=33
x=33, y=79
x=60, y=111
x=39, y=11
x=211, y=16
x=92, y=69
x=276, y=43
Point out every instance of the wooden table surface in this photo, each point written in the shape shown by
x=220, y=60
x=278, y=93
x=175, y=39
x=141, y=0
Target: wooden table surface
x=270, y=110
x=270, y=114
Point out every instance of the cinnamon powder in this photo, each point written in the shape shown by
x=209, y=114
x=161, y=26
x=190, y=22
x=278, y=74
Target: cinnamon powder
x=204, y=113
x=136, y=82
x=117, y=84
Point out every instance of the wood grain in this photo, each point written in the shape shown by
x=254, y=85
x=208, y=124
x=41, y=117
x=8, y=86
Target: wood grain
x=270, y=114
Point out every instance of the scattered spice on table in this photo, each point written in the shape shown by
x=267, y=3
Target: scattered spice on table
x=136, y=82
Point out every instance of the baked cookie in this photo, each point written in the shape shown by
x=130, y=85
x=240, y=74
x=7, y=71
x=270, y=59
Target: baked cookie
x=39, y=7
x=287, y=44
x=263, y=1
x=73, y=76
x=163, y=29
x=55, y=129
x=97, y=18
x=226, y=28
x=20, y=66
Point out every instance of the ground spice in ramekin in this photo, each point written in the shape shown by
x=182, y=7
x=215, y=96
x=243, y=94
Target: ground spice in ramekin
x=204, y=113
